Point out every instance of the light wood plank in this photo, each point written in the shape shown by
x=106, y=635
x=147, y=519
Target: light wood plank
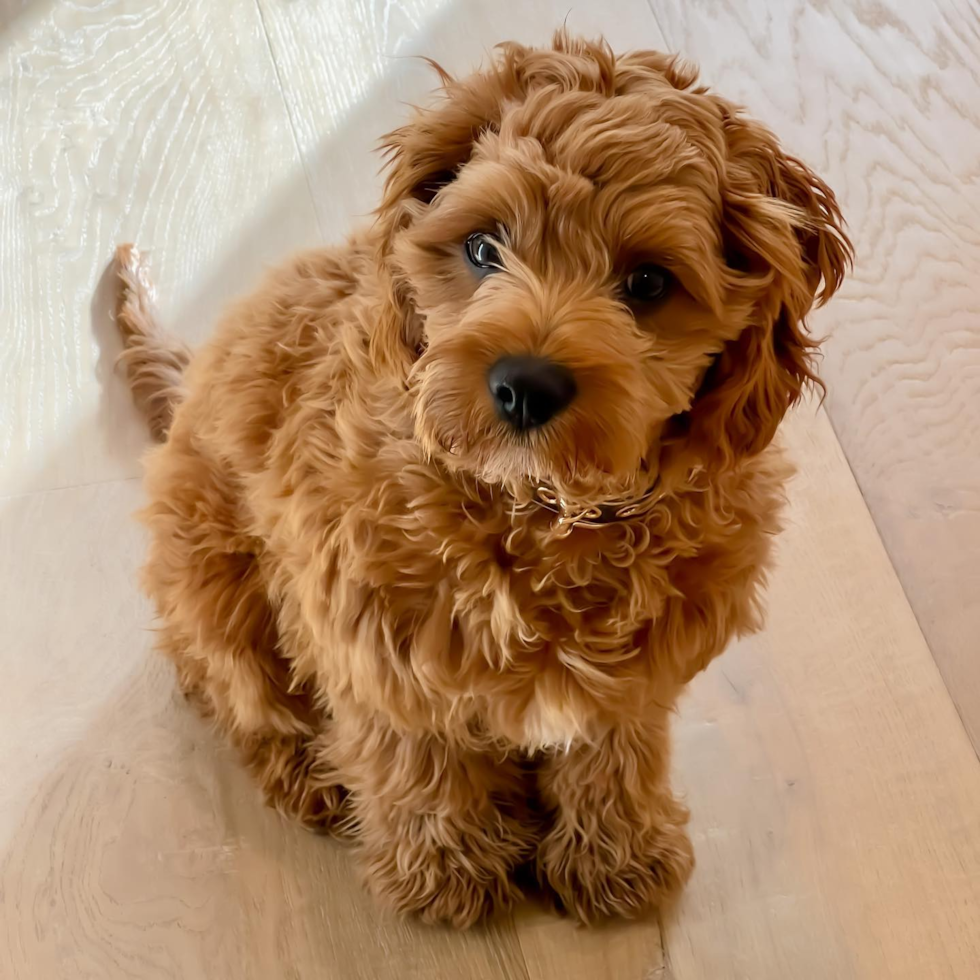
x=155, y=122
x=884, y=100
x=131, y=842
x=554, y=949
x=834, y=790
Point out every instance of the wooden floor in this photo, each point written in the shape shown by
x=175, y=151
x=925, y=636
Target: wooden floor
x=830, y=763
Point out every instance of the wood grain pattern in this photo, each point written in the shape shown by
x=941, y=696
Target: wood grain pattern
x=884, y=100
x=155, y=122
x=833, y=788
x=555, y=950
x=834, y=791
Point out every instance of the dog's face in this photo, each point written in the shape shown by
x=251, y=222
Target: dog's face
x=595, y=269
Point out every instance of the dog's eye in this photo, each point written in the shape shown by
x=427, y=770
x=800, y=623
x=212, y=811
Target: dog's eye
x=482, y=253
x=648, y=283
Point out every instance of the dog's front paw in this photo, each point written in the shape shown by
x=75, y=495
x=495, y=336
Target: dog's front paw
x=602, y=874
x=429, y=866
x=299, y=782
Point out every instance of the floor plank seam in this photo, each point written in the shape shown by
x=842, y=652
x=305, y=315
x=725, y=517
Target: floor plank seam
x=659, y=26
x=902, y=586
x=39, y=491
x=665, y=971
x=292, y=121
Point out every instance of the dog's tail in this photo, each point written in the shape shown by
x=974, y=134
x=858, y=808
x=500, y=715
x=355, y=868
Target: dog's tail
x=154, y=361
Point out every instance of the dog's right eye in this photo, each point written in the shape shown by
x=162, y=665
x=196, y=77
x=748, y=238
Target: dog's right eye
x=482, y=253
x=648, y=283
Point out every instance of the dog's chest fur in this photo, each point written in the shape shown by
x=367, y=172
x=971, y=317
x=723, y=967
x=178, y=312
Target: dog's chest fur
x=437, y=605
x=448, y=611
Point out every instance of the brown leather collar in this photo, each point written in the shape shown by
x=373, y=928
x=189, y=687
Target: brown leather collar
x=596, y=515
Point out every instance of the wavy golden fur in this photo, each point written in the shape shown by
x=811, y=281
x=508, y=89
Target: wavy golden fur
x=353, y=572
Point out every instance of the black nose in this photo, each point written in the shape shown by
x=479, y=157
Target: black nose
x=529, y=390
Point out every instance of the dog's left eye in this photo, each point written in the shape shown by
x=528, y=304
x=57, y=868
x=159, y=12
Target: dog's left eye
x=482, y=253
x=648, y=283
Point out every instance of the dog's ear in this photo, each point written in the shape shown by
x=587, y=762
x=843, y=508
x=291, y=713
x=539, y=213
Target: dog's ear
x=787, y=250
x=421, y=158
x=425, y=154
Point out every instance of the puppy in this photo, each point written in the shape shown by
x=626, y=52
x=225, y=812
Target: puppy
x=445, y=518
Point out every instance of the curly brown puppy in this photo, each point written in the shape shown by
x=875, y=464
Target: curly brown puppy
x=445, y=518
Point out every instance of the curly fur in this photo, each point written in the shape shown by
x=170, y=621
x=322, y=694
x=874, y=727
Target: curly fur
x=352, y=574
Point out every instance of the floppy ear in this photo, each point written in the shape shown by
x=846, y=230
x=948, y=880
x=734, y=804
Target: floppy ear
x=421, y=158
x=424, y=155
x=787, y=250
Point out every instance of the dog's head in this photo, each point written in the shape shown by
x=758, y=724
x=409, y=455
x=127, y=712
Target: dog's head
x=592, y=266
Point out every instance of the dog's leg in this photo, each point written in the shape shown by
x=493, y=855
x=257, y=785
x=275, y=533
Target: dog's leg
x=298, y=778
x=220, y=630
x=617, y=844
x=441, y=827
x=283, y=743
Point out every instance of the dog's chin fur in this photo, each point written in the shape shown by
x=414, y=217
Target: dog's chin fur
x=352, y=571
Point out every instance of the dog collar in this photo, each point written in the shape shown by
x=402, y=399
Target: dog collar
x=597, y=515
